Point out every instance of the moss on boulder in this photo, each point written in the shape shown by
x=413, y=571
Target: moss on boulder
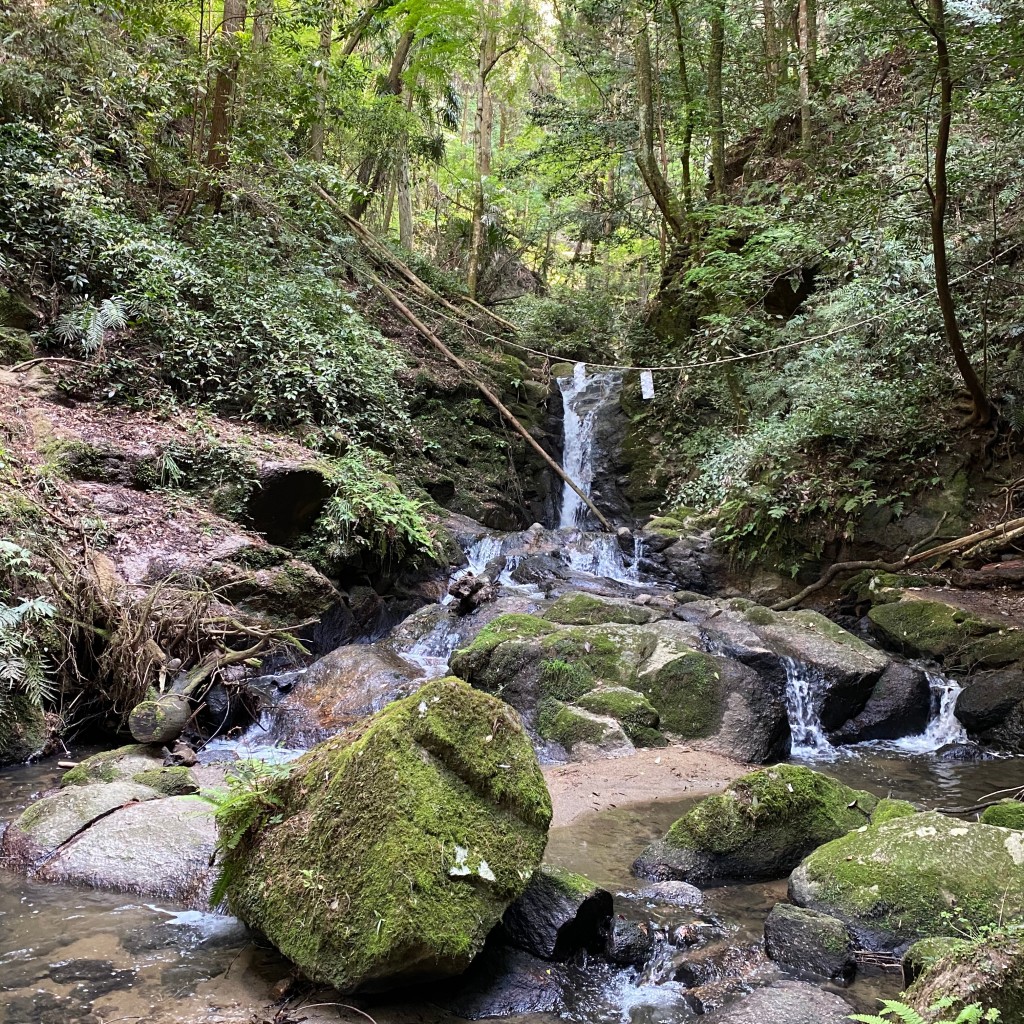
x=633, y=711
x=22, y=730
x=896, y=882
x=686, y=693
x=390, y=851
x=940, y=631
x=760, y=827
x=587, y=610
x=1005, y=814
x=925, y=954
x=109, y=765
x=573, y=727
x=888, y=809
x=989, y=971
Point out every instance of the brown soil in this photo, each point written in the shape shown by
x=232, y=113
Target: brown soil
x=667, y=773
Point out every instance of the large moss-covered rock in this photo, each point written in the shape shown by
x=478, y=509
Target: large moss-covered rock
x=588, y=610
x=895, y=882
x=1005, y=814
x=22, y=730
x=135, y=762
x=760, y=827
x=390, y=851
x=958, y=638
x=989, y=972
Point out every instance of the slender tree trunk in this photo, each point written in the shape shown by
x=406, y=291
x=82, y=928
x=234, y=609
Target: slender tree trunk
x=374, y=167
x=361, y=24
x=716, y=115
x=404, y=187
x=262, y=22
x=686, y=155
x=805, y=77
x=484, y=128
x=771, y=47
x=938, y=191
x=646, y=158
x=232, y=23
x=319, y=132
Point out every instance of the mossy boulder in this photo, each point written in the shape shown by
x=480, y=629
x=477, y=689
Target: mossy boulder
x=22, y=730
x=888, y=809
x=925, y=954
x=587, y=610
x=897, y=882
x=634, y=712
x=133, y=763
x=956, y=637
x=871, y=587
x=989, y=971
x=991, y=708
x=579, y=731
x=760, y=827
x=388, y=852
x=809, y=942
x=1005, y=814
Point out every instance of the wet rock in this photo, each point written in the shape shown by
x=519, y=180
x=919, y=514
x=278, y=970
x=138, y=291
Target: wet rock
x=989, y=971
x=678, y=894
x=90, y=978
x=716, y=963
x=161, y=848
x=559, y=914
x=786, y=1002
x=472, y=591
x=899, y=705
x=137, y=763
x=442, y=788
x=760, y=827
x=809, y=942
x=895, y=883
x=44, y=826
x=962, y=752
x=341, y=688
x=538, y=569
x=43, y=1007
x=505, y=982
x=991, y=708
x=630, y=943
x=22, y=731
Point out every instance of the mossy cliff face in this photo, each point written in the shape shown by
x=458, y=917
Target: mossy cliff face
x=389, y=852
x=760, y=827
x=894, y=883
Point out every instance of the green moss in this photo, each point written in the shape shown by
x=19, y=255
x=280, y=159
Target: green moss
x=888, y=809
x=565, y=681
x=903, y=879
x=1005, y=814
x=929, y=627
x=397, y=845
x=588, y=647
x=105, y=766
x=173, y=780
x=759, y=615
x=568, y=726
x=585, y=610
x=506, y=627
x=741, y=604
x=688, y=596
x=575, y=886
x=637, y=716
x=871, y=587
x=686, y=694
x=927, y=952
x=15, y=345
x=772, y=809
x=1003, y=647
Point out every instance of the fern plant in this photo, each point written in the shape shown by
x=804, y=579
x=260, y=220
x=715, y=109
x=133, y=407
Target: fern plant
x=88, y=323
x=893, y=1010
x=23, y=667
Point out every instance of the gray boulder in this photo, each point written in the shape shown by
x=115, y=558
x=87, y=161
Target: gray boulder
x=899, y=705
x=786, y=1002
x=809, y=942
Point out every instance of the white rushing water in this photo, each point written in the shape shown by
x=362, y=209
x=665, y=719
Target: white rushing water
x=583, y=395
x=943, y=726
x=802, y=687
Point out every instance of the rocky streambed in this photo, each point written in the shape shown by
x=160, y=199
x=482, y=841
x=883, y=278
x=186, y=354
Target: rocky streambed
x=629, y=692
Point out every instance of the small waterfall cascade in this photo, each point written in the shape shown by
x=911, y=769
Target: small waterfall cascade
x=802, y=687
x=943, y=726
x=583, y=395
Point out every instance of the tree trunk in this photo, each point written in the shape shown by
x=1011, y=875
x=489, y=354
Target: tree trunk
x=404, y=187
x=232, y=23
x=938, y=191
x=686, y=155
x=716, y=115
x=319, y=132
x=805, y=76
x=646, y=158
x=374, y=167
x=484, y=127
x=262, y=22
x=771, y=47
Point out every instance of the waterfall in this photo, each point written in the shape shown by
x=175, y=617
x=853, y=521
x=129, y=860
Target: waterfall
x=583, y=396
x=943, y=727
x=802, y=686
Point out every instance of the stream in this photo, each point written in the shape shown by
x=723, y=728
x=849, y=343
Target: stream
x=76, y=956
